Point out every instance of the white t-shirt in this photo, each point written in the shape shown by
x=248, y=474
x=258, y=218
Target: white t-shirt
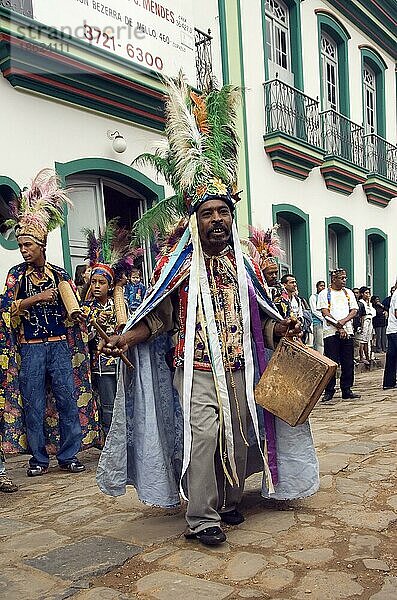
x=296, y=307
x=369, y=309
x=392, y=320
x=342, y=302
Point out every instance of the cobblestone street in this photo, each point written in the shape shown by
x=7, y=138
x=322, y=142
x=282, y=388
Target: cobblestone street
x=61, y=537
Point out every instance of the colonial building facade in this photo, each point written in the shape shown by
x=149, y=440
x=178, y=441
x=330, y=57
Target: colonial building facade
x=320, y=122
x=318, y=118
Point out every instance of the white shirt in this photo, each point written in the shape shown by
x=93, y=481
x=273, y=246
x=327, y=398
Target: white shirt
x=369, y=309
x=340, y=307
x=296, y=306
x=313, y=307
x=392, y=320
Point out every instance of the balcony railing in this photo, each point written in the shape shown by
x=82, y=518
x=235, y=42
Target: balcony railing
x=203, y=57
x=290, y=111
x=342, y=137
x=381, y=156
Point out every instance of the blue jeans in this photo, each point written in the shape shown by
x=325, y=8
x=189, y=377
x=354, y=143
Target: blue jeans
x=53, y=360
x=106, y=384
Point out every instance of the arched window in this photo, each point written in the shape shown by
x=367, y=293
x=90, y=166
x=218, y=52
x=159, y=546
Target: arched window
x=332, y=250
x=339, y=247
x=283, y=45
x=369, y=89
x=102, y=189
x=285, y=264
x=277, y=34
x=330, y=81
x=9, y=190
x=295, y=238
x=334, y=64
x=373, y=76
x=377, y=280
x=97, y=200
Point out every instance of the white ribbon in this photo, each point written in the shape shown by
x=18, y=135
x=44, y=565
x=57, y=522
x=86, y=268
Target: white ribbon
x=248, y=358
x=190, y=334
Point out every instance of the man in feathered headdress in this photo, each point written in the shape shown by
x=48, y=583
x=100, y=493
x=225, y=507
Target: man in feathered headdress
x=264, y=247
x=43, y=343
x=211, y=300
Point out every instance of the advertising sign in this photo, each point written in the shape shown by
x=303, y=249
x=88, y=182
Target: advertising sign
x=156, y=35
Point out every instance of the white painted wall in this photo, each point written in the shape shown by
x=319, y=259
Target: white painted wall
x=311, y=196
x=38, y=132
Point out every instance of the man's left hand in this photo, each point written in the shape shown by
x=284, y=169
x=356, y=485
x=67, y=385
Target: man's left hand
x=288, y=327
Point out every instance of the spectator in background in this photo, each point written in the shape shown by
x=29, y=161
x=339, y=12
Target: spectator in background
x=356, y=327
x=387, y=300
x=134, y=290
x=379, y=324
x=290, y=304
x=366, y=312
x=389, y=376
x=318, y=342
x=82, y=279
x=338, y=306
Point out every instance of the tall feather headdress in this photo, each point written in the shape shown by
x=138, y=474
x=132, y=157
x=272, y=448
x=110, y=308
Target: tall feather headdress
x=39, y=209
x=199, y=157
x=264, y=245
x=112, y=251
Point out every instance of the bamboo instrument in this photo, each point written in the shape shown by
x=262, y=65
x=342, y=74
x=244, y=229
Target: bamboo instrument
x=69, y=299
x=119, y=306
x=105, y=337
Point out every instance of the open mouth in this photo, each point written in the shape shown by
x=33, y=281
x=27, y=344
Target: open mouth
x=217, y=230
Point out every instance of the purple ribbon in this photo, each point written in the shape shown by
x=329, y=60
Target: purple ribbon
x=270, y=429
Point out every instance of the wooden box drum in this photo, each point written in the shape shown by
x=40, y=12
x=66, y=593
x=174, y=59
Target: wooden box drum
x=294, y=380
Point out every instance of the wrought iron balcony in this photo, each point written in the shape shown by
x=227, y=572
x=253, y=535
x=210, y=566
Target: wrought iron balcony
x=203, y=57
x=290, y=111
x=343, y=138
x=381, y=156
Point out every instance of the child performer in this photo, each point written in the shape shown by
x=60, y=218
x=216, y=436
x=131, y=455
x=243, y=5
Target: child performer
x=111, y=257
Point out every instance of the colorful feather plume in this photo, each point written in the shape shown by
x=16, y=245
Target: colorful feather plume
x=199, y=157
x=167, y=243
x=40, y=208
x=264, y=244
x=114, y=247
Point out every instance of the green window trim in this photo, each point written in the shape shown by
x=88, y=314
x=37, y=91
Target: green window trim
x=380, y=285
x=300, y=244
x=10, y=183
x=378, y=65
x=224, y=42
x=295, y=32
x=109, y=168
x=232, y=54
x=344, y=232
x=328, y=24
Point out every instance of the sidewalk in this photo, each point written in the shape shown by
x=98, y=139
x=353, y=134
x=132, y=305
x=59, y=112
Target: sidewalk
x=62, y=538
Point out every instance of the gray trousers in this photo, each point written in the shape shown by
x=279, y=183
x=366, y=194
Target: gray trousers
x=318, y=342
x=208, y=490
